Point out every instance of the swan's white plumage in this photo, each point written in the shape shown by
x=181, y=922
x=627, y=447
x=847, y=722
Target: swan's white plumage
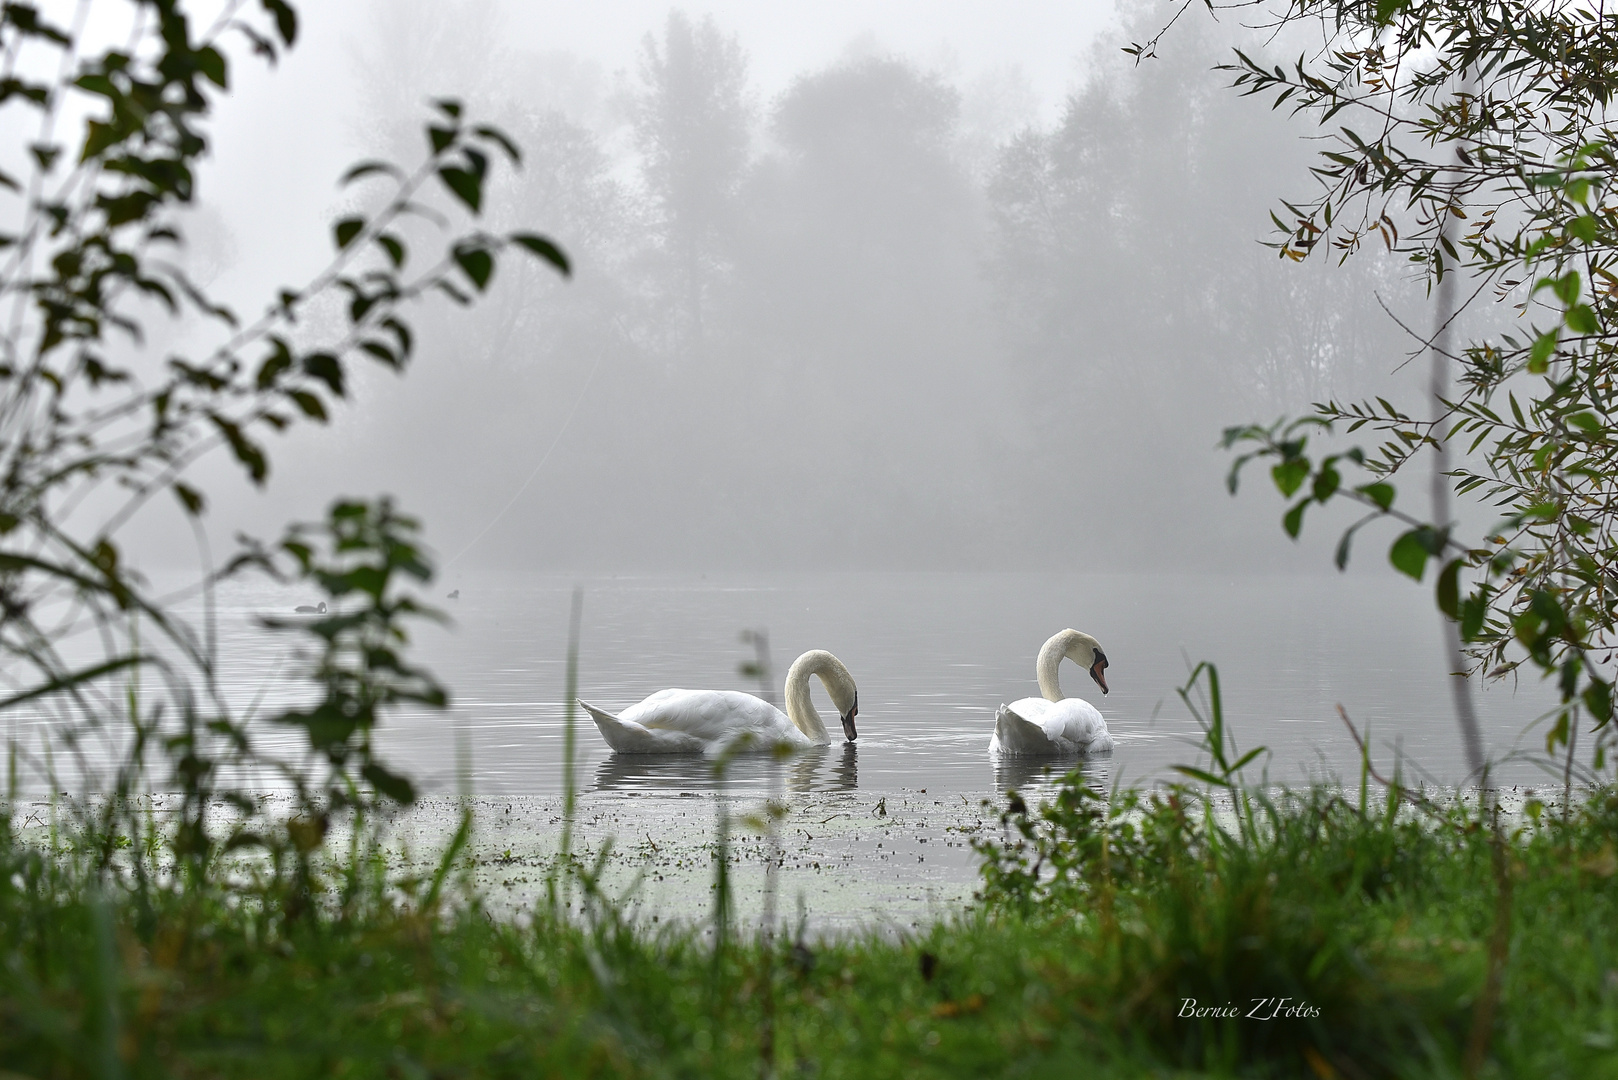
x=716, y=722
x=1036, y=726
x=1055, y=724
x=695, y=721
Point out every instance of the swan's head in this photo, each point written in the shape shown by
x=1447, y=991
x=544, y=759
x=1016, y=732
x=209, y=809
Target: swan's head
x=845, y=696
x=1080, y=648
x=1085, y=651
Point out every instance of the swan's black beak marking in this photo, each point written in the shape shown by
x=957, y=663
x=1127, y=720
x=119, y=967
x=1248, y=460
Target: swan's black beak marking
x=848, y=721
x=1098, y=670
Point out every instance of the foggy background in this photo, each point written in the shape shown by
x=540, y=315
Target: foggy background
x=874, y=286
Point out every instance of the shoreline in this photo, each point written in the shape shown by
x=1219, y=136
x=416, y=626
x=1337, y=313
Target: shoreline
x=849, y=862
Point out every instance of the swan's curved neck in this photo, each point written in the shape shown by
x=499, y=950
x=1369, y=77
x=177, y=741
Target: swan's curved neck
x=1050, y=659
x=800, y=707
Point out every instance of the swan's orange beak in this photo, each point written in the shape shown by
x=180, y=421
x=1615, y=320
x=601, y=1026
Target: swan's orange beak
x=848, y=723
x=1098, y=672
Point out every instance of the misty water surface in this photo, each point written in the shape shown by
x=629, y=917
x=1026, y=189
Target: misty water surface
x=933, y=655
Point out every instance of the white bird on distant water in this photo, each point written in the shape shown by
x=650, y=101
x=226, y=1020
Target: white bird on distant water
x=714, y=721
x=1055, y=724
x=306, y=609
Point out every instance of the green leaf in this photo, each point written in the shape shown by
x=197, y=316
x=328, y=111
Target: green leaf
x=1557, y=735
x=246, y=451
x=1583, y=228
x=1539, y=357
x=286, y=19
x=545, y=249
x=1409, y=554
x=1598, y=699
x=1203, y=775
x=1326, y=483
x=394, y=247
x=327, y=368
x=478, y=265
x=464, y=185
x=382, y=352
x=390, y=784
x=1293, y=522
x=97, y=138
x=1566, y=287
x=1584, y=421
x=1379, y=493
x=1290, y=475
x=1448, y=591
x=1387, y=9
x=279, y=361
x=212, y=65
x=190, y=498
x=370, y=168
x=1571, y=667
x=310, y=404
x=401, y=333
x=500, y=139
x=1236, y=766
x=1343, y=546
x=347, y=229
x=1581, y=319
x=1473, y=610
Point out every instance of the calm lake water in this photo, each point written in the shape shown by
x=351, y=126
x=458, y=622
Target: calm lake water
x=933, y=654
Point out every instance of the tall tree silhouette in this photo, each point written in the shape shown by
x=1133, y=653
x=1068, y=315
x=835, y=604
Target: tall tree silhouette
x=691, y=122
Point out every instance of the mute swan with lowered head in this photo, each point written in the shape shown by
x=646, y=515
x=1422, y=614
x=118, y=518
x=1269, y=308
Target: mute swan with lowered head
x=712, y=721
x=1054, y=724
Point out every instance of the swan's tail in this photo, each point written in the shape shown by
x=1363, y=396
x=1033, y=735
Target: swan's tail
x=612, y=729
x=1015, y=735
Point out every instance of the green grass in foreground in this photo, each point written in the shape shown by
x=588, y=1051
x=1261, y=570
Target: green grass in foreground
x=1416, y=943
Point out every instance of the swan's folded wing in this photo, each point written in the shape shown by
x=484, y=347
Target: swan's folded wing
x=1037, y=726
x=716, y=719
x=1017, y=729
x=628, y=737
x=1077, y=726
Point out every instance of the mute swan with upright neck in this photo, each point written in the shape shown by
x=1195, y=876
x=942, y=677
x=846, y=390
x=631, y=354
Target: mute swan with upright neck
x=714, y=721
x=1054, y=724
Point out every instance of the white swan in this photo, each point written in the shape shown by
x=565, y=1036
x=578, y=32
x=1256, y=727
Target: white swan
x=714, y=721
x=1055, y=724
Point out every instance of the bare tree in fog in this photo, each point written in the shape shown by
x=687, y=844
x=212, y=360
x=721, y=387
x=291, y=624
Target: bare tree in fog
x=860, y=306
x=692, y=126
x=931, y=335
x=1135, y=302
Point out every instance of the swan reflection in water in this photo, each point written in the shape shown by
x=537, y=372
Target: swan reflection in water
x=818, y=768
x=1040, y=776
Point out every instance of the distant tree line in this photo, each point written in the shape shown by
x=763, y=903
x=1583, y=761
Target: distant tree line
x=824, y=329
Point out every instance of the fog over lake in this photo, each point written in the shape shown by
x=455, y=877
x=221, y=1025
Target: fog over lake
x=934, y=654
x=906, y=331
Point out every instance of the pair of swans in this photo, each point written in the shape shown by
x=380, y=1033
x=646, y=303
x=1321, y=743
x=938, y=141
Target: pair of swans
x=717, y=722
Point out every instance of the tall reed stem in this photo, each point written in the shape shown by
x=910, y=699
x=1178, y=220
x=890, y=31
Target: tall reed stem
x=570, y=694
